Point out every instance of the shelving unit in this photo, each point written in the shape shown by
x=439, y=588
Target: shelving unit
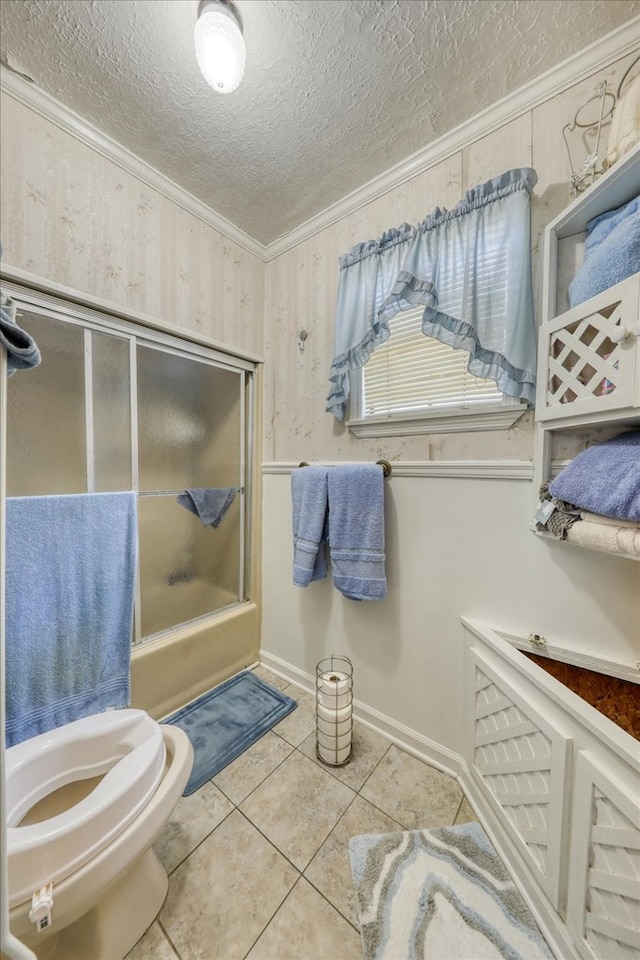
x=589, y=356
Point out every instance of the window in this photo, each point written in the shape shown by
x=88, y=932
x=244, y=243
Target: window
x=416, y=384
x=116, y=406
x=411, y=373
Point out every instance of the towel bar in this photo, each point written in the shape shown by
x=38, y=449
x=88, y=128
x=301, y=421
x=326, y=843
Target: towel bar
x=386, y=466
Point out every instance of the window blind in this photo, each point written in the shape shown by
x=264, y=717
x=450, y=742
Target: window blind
x=410, y=373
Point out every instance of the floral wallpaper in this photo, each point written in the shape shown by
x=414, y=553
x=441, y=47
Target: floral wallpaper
x=301, y=288
x=73, y=216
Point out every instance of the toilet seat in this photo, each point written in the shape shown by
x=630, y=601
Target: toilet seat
x=125, y=747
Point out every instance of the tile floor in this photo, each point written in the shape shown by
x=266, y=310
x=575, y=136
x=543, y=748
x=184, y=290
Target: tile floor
x=257, y=858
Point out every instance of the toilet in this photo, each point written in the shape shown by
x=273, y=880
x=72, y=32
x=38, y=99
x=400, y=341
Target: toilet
x=84, y=804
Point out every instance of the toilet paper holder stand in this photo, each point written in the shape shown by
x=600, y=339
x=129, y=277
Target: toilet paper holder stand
x=334, y=710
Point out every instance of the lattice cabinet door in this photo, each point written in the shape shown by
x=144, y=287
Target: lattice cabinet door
x=590, y=356
x=519, y=758
x=604, y=869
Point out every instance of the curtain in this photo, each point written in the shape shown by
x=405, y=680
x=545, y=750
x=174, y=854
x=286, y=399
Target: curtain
x=469, y=267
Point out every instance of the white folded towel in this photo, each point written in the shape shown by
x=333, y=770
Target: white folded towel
x=610, y=537
x=608, y=521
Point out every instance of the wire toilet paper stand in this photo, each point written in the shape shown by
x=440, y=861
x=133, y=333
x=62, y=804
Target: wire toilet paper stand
x=334, y=710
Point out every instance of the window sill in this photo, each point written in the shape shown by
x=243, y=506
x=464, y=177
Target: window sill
x=483, y=417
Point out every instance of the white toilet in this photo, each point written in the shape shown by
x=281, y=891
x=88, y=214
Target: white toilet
x=84, y=804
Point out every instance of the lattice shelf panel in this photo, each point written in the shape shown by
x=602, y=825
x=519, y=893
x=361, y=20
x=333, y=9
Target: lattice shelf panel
x=612, y=916
x=589, y=356
x=584, y=362
x=513, y=756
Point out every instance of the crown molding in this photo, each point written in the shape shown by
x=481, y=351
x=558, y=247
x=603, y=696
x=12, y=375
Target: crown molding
x=597, y=56
x=14, y=85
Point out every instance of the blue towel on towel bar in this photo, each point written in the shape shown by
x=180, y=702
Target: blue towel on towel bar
x=208, y=503
x=356, y=531
x=70, y=585
x=309, y=515
x=604, y=478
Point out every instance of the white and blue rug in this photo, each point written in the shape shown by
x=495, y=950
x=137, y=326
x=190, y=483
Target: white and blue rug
x=227, y=720
x=440, y=894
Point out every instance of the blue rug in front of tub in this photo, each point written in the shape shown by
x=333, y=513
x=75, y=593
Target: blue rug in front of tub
x=227, y=720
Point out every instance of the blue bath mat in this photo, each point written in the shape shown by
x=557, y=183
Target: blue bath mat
x=223, y=723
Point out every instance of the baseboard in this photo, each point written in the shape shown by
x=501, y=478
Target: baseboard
x=402, y=736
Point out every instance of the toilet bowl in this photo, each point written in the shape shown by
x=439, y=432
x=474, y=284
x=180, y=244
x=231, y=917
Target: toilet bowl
x=84, y=804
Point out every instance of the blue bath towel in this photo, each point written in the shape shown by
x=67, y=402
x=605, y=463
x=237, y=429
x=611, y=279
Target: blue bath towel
x=604, y=478
x=22, y=351
x=356, y=531
x=309, y=519
x=611, y=252
x=208, y=503
x=70, y=585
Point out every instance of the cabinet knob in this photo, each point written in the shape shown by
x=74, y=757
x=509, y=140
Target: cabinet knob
x=619, y=333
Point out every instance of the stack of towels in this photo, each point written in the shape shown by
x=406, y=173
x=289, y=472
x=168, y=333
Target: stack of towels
x=343, y=508
x=602, y=485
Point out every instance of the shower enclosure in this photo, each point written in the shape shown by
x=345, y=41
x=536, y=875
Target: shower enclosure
x=116, y=405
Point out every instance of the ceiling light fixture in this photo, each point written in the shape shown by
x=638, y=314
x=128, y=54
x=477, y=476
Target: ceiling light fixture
x=219, y=44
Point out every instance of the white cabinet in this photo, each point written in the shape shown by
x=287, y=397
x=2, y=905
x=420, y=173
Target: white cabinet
x=588, y=356
x=519, y=760
x=560, y=783
x=603, y=912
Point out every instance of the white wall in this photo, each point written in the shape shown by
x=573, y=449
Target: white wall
x=454, y=547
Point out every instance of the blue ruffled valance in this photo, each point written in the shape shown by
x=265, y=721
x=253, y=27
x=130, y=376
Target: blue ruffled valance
x=469, y=267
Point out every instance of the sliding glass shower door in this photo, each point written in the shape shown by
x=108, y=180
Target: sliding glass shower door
x=114, y=406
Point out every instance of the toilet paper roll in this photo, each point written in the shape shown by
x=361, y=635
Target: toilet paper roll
x=334, y=690
x=334, y=716
x=333, y=742
x=334, y=756
x=334, y=729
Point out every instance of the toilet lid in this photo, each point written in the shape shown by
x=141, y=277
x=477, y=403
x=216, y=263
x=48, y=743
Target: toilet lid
x=123, y=747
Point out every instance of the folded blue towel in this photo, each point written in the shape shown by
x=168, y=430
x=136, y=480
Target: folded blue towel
x=604, y=478
x=22, y=351
x=356, y=531
x=611, y=252
x=208, y=503
x=309, y=520
x=70, y=585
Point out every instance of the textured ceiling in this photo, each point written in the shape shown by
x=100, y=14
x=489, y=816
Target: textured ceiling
x=335, y=91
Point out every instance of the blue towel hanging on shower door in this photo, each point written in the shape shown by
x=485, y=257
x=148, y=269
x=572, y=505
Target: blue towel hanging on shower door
x=70, y=585
x=208, y=503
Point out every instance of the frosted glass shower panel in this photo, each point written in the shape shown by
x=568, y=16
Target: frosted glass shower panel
x=189, y=422
x=46, y=442
x=186, y=570
x=111, y=413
